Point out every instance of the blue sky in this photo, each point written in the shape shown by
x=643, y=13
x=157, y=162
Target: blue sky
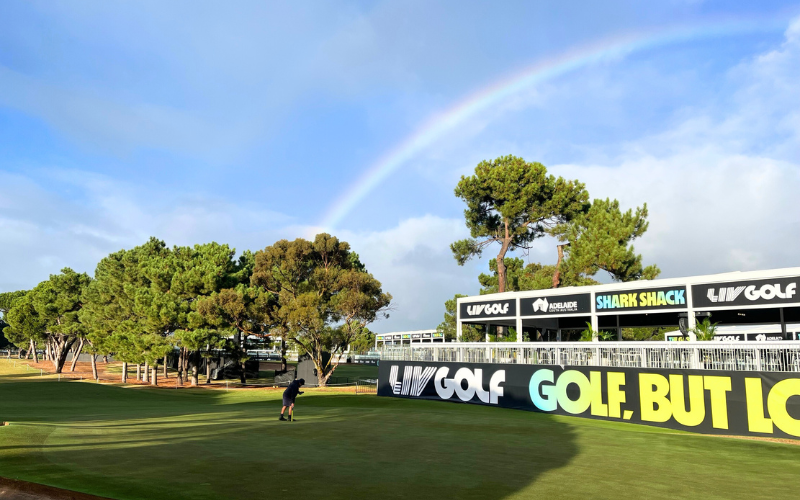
x=198, y=121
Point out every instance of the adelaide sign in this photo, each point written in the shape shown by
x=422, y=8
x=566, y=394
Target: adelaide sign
x=579, y=303
x=714, y=402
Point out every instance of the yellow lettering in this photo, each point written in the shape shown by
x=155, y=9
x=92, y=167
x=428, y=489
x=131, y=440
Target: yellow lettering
x=653, y=390
x=718, y=387
x=598, y=408
x=776, y=404
x=697, y=412
x=615, y=396
x=756, y=421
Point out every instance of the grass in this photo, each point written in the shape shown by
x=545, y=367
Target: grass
x=137, y=442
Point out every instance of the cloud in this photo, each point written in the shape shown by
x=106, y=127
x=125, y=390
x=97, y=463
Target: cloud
x=42, y=231
x=86, y=216
x=414, y=263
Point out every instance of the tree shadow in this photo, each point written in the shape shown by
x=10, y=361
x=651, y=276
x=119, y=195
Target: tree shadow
x=114, y=442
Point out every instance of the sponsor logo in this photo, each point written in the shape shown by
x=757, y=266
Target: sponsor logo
x=752, y=293
x=642, y=299
x=415, y=378
x=487, y=309
x=545, y=306
x=446, y=387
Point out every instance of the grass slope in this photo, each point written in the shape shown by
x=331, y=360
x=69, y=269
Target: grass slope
x=135, y=442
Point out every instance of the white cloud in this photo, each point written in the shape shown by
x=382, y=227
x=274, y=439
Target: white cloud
x=414, y=263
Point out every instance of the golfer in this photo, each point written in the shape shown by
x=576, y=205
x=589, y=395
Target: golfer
x=289, y=395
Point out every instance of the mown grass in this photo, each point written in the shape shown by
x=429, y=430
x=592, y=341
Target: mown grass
x=138, y=442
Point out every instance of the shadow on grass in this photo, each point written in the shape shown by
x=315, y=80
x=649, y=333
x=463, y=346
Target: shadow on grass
x=115, y=442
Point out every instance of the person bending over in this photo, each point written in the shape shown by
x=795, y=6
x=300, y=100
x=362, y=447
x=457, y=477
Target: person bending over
x=289, y=396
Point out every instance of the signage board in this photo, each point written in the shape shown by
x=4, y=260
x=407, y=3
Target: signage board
x=488, y=309
x=746, y=293
x=642, y=299
x=765, y=404
x=579, y=303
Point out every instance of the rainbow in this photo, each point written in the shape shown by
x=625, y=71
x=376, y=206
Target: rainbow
x=441, y=123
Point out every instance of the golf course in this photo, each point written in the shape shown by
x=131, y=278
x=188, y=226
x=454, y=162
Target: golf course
x=135, y=442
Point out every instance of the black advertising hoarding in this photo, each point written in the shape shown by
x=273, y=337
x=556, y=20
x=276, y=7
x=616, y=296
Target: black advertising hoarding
x=707, y=401
x=641, y=300
x=488, y=309
x=746, y=293
x=579, y=303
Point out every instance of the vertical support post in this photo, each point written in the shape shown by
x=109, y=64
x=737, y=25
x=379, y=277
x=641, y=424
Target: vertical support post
x=783, y=325
x=595, y=323
x=558, y=335
x=619, y=330
x=519, y=325
x=691, y=321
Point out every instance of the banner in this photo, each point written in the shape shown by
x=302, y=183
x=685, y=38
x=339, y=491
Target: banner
x=579, y=303
x=763, y=404
x=642, y=299
x=488, y=309
x=745, y=293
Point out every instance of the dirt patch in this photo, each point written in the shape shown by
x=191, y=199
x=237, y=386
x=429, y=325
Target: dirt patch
x=795, y=442
x=23, y=490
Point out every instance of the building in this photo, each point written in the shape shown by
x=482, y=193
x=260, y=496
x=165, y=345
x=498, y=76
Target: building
x=730, y=299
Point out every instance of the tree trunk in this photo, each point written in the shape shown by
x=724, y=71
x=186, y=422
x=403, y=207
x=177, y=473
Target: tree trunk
x=61, y=347
x=124, y=372
x=195, y=368
x=180, y=366
x=208, y=368
x=166, y=374
x=154, y=378
x=76, y=354
x=105, y=358
x=557, y=274
x=145, y=372
x=33, y=350
x=283, y=356
x=138, y=372
x=94, y=366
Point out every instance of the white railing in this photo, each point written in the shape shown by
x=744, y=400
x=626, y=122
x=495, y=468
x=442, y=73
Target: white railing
x=737, y=356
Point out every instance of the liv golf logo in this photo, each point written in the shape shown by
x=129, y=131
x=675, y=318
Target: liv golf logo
x=416, y=378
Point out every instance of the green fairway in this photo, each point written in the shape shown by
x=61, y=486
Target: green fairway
x=137, y=442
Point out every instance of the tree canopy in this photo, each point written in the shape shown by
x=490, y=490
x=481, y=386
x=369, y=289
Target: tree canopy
x=511, y=202
x=325, y=296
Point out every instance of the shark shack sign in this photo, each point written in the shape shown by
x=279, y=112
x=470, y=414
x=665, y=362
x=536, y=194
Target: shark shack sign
x=714, y=402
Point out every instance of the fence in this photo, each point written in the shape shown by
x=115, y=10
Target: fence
x=761, y=356
x=366, y=386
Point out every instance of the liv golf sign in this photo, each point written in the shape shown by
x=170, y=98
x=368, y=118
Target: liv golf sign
x=714, y=402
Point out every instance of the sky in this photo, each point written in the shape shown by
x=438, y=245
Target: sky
x=249, y=122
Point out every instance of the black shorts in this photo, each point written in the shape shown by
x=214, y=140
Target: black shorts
x=287, y=401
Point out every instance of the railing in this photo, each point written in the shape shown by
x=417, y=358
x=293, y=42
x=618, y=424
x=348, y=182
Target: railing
x=737, y=356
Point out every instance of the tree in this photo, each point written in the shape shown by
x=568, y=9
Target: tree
x=26, y=328
x=245, y=309
x=469, y=333
x=705, y=330
x=57, y=302
x=115, y=305
x=600, y=239
x=325, y=296
x=6, y=301
x=512, y=202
